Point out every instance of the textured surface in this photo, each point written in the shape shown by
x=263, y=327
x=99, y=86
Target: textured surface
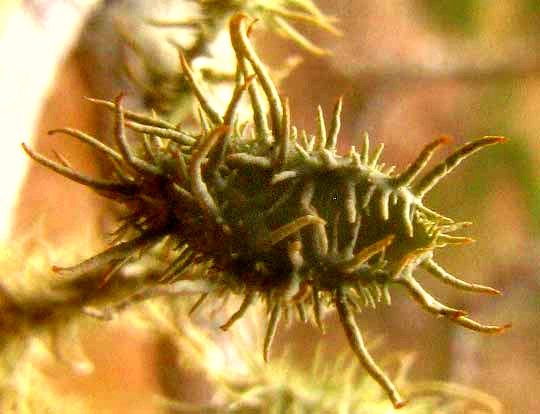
x=270, y=213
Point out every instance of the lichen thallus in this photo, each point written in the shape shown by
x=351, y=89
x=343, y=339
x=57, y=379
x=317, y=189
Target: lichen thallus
x=273, y=214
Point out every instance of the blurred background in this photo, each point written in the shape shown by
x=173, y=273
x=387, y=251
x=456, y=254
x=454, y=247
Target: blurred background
x=409, y=71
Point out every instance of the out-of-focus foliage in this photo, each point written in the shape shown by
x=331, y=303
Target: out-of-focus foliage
x=244, y=384
x=155, y=36
x=454, y=16
x=38, y=322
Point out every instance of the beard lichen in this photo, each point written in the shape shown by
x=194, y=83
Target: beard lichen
x=271, y=214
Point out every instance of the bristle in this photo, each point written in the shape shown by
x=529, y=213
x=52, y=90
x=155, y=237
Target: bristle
x=348, y=249
x=376, y=155
x=245, y=159
x=147, y=143
x=445, y=239
x=243, y=49
x=447, y=278
x=365, y=254
x=121, y=141
x=109, y=186
x=113, y=271
x=407, y=176
x=386, y=298
x=180, y=264
x=198, y=186
x=294, y=134
x=350, y=202
x=300, y=308
x=260, y=121
x=63, y=160
x=407, y=212
x=273, y=321
x=244, y=306
x=357, y=345
x=335, y=126
x=198, y=303
x=117, y=252
x=321, y=130
x=283, y=176
x=334, y=235
x=293, y=227
x=304, y=142
x=317, y=309
x=365, y=294
x=447, y=166
x=384, y=201
x=376, y=289
x=167, y=133
x=207, y=107
x=433, y=214
x=134, y=116
x=366, y=198
x=298, y=37
x=182, y=167
x=427, y=301
x=284, y=136
x=364, y=157
x=478, y=327
x=204, y=122
x=81, y=136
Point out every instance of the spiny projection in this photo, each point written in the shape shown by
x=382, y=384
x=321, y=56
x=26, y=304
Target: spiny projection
x=271, y=213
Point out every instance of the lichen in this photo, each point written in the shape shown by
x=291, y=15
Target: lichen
x=266, y=212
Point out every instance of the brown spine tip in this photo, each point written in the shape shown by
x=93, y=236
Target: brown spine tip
x=119, y=98
x=399, y=404
x=59, y=269
x=93, y=100
x=237, y=20
x=183, y=62
x=248, y=79
x=504, y=327
x=493, y=291
x=457, y=313
x=495, y=139
x=444, y=139
x=251, y=26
